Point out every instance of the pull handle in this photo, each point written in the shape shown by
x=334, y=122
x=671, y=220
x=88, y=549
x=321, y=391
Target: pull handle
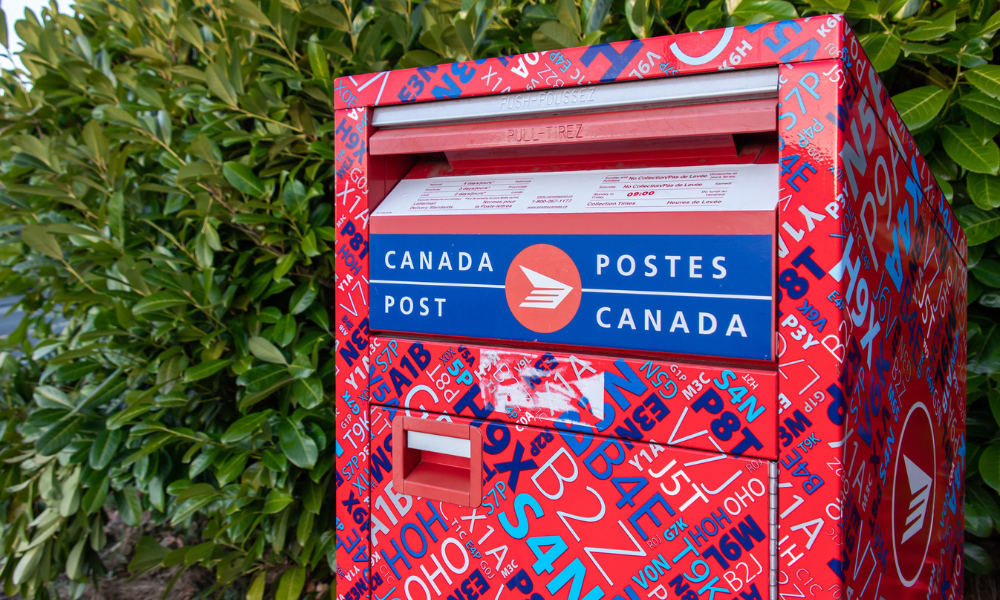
x=438, y=460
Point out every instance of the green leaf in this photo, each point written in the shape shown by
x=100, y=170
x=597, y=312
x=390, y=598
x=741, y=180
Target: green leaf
x=263, y=377
x=243, y=178
x=159, y=301
x=189, y=507
x=93, y=500
x=205, y=369
x=51, y=397
x=276, y=501
x=983, y=128
x=989, y=466
x=116, y=212
x=294, y=196
x=266, y=351
x=218, y=83
x=980, y=226
x=148, y=554
x=275, y=461
x=291, y=584
x=919, y=106
x=104, y=448
x=985, y=106
x=302, y=298
x=41, y=241
x=308, y=392
x=244, y=427
x=319, y=62
x=131, y=510
x=313, y=498
x=977, y=560
x=195, y=490
x=987, y=271
x=3, y=29
x=74, y=561
x=882, y=49
x=984, y=190
x=934, y=29
x=58, y=436
x=326, y=15
x=319, y=315
x=256, y=590
x=26, y=566
x=986, y=78
x=232, y=468
x=297, y=446
x=284, y=330
x=552, y=35
x=194, y=170
x=965, y=149
x=249, y=10
x=304, y=528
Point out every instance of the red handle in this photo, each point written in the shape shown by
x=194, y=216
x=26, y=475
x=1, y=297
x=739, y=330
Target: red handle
x=438, y=460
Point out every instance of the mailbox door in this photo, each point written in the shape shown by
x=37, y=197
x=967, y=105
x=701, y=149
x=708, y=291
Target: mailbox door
x=572, y=517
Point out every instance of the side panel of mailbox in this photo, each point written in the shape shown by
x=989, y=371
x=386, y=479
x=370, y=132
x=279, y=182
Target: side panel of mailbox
x=351, y=322
x=905, y=369
x=810, y=333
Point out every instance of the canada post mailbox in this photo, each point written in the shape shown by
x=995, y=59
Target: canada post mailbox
x=682, y=317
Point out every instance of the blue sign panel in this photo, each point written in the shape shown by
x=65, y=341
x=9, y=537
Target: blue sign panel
x=708, y=295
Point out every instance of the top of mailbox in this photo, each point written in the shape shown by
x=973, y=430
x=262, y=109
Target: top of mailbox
x=747, y=47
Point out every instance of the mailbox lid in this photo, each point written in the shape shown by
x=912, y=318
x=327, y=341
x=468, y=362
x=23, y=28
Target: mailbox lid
x=722, y=409
x=665, y=260
x=598, y=515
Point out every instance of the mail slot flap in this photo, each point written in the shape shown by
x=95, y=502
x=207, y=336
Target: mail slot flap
x=596, y=129
x=731, y=409
x=670, y=260
x=721, y=86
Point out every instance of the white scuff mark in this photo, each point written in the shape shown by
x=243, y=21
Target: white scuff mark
x=505, y=383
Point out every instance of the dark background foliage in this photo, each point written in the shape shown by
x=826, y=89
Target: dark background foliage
x=166, y=187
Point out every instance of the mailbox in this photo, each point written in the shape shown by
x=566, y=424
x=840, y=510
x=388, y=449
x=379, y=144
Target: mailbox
x=682, y=317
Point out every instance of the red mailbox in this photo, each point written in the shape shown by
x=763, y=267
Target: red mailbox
x=671, y=318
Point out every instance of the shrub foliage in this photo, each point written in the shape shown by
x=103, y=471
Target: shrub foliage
x=166, y=194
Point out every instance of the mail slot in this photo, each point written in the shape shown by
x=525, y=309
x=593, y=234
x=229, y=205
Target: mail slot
x=669, y=318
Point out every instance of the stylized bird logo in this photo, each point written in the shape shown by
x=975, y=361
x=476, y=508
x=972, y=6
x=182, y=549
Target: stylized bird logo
x=920, y=491
x=546, y=292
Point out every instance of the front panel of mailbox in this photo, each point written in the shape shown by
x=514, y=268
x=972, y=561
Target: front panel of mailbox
x=574, y=516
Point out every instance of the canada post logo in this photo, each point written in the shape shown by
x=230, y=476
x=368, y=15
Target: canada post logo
x=543, y=288
x=913, y=494
x=708, y=295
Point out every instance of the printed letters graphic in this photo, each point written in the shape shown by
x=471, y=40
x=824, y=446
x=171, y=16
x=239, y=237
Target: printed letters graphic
x=547, y=293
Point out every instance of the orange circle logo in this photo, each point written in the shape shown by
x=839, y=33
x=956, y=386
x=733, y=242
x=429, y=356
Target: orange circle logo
x=543, y=288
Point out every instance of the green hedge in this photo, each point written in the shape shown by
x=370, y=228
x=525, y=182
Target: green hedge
x=165, y=176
